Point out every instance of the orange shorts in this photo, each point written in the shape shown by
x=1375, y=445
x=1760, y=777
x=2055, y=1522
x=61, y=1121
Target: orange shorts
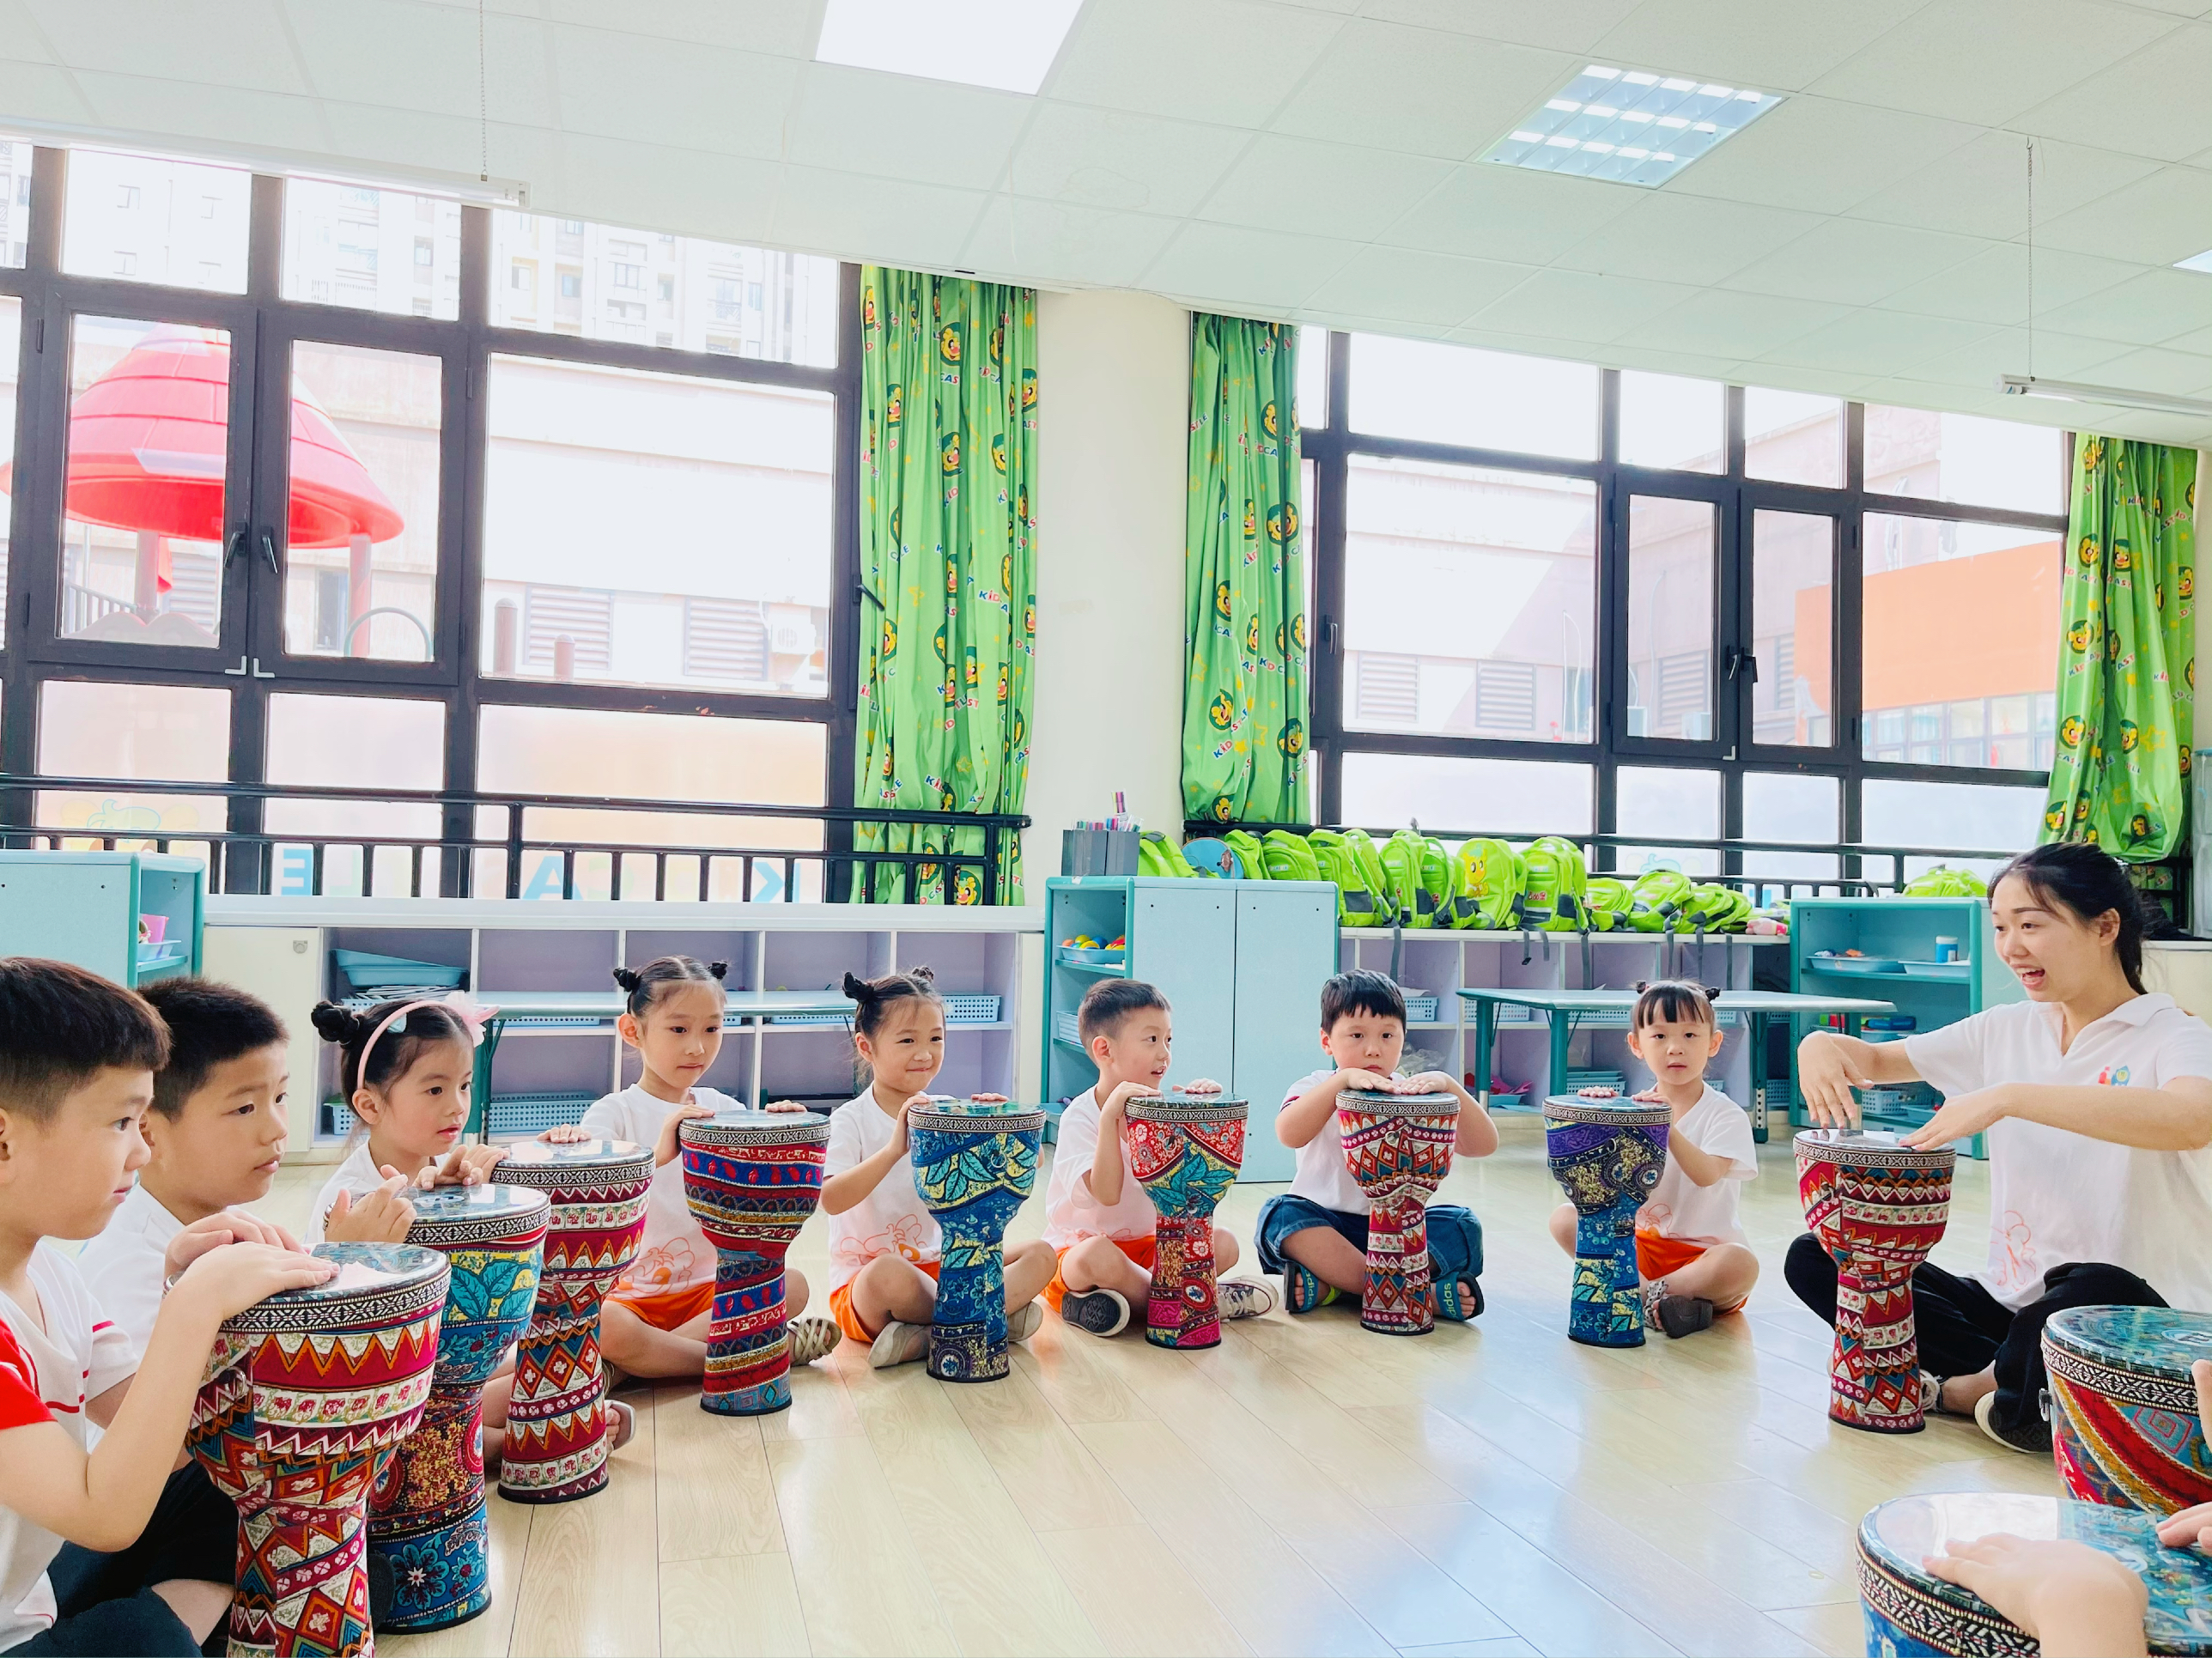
x=1657, y=1256
x=670, y=1309
x=1143, y=1251
x=841, y=1308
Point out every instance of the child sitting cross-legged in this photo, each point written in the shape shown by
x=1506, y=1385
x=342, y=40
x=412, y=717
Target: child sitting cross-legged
x=118, y=1549
x=883, y=1243
x=1097, y=1217
x=655, y=1322
x=1315, y=1234
x=1689, y=1248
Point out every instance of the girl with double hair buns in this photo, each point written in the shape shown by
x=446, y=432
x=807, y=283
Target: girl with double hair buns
x=2097, y=1100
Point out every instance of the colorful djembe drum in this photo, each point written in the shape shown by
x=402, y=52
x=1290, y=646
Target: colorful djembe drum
x=1185, y=1151
x=426, y=1511
x=973, y=1164
x=557, y=1416
x=1607, y=1155
x=1398, y=1148
x=1910, y=1612
x=2124, y=1424
x=1878, y=1206
x=306, y=1393
x=751, y=1178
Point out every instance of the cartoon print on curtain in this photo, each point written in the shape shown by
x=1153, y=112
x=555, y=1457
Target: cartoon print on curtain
x=948, y=544
x=2127, y=656
x=1244, y=715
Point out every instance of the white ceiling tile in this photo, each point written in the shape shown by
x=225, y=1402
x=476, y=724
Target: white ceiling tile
x=777, y=27
x=1820, y=156
x=1562, y=25
x=242, y=115
x=1620, y=354
x=1111, y=158
x=2155, y=103
x=1355, y=193
x=2004, y=351
x=2198, y=340
x=39, y=92
x=849, y=215
x=220, y=43
x=1573, y=305
x=2157, y=369
x=1484, y=210
x=1980, y=189
x=1420, y=90
x=1985, y=61
x=1229, y=61
x=21, y=39
x=731, y=103
x=2145, y=310
x=1790, y=377
x=1876, y=341
x=1686, y=238
x=1992, y=286
x=2155, y=220
x=407, y=55
x=448, y=143
x=1399, y=283
x=1853, y=261
x=1061, y=244
x=653, y=188
x=1739, y=324
x=859, y=120
x=1778, y=45
x=1267, y=272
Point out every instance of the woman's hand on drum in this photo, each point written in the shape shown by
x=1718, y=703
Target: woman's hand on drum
x=2192, y=1527
x=2072, y=1598
x=670, y=1145
x=565, y=1133
x=381, y=1216
x=224, y=1226
x=1824, y=1077
x=1961, y=1117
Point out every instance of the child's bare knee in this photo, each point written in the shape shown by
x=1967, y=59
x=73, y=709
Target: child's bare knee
x=1224, y=1250
x=1564, y=1219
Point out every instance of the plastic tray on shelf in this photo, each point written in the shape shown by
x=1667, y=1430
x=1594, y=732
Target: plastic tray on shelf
x=363, y=969
x=1066, y=1028
x=512, y=1116
x=1423, y=1009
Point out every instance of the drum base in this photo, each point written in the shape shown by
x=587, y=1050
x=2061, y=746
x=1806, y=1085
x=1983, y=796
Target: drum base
x=586, y=1485
x=1881, y=1424
x=469, y=1613
x=1183, y=1341
x=966, y=1353
x=765, y=1399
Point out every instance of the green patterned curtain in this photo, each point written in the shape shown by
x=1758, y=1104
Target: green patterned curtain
x=1244, y=583
x=948, y=557
x=2127, y=664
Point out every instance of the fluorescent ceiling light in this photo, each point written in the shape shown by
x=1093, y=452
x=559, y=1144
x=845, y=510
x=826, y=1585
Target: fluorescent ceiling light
x=1008, y=45
x=2200, y=262
x=2156, y=403
x=1630, y=126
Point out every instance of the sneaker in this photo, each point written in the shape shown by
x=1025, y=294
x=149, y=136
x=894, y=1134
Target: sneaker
x=812, y=1338
x=1683, y=1315
x=1102, y=1312
x=1021, y=1323
x=1244, y=1297
x=899, y=1344
x=1459, y=1299
x=1303, y=1291
x=1985, y=1419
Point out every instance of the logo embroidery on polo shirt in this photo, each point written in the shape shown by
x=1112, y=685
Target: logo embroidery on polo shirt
x=2112, y=1076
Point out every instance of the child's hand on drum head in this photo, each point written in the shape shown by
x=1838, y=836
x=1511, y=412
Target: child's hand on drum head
x=1368, y=1082
x=224, y=1226
x=2072, y=1598
x=381, y=1216
x=228, y=1279
x=784, y=1105
x=2192, y=1527
x=670, y=1145
x=987, y=1099
x=564, y=1133
x=1201, y=1085
x=464, y=1165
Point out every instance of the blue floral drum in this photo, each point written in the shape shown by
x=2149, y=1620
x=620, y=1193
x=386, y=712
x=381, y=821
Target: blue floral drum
x=2123, y=1409
x=1607, y=1155
x=1911, y=1613
x=974, y=1163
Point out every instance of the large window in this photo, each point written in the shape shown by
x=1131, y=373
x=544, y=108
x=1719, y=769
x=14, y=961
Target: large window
x=1738, y=609
x=353, y=488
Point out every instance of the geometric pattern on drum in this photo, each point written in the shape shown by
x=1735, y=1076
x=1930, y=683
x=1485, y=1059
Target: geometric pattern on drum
x=972, y=1165
x=1911, y=1613
x=556, y=1418
x=426, y=1510
x=1185, y=1151
x=752, y=1179
x=304, y=1394
x=1399, y=1148
x=1607, y=1155
x=2123, y=1423
x=1877, y=1207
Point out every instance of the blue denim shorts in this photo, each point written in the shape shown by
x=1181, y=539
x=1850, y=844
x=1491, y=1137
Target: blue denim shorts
x=1455, y=1235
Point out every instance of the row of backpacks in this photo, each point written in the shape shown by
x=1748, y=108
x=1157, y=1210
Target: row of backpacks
x=1415, y=880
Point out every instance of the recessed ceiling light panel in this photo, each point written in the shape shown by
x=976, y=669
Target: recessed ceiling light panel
x=1631, y=126
x=1008, y=45
x=2197, y=262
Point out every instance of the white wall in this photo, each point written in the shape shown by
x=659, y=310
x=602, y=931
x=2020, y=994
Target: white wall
x=1115, y=370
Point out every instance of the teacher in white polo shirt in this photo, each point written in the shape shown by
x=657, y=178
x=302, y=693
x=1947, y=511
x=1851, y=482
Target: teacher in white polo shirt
x=2097, y=1100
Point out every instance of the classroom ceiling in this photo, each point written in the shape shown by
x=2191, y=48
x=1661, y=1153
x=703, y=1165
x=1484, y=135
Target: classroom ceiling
x=1310, y=160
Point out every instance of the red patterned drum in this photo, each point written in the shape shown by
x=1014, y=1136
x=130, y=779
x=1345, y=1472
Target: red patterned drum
x=1398, y=1148
x=1185, y=1151
x=556, y=1418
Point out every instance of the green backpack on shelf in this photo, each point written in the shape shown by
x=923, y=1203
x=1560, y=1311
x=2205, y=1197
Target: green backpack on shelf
x=1607, y=902
x=1286, y=856
x=1249, y=852
x=1347, y=856
x=1558, y=882
x=1944, y=882
x=1158, y=855
x=1487, y=881
x=1716, y=908
x=1657, y=900
x=1420, y=878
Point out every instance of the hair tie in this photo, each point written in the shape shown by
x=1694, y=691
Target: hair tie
x=719, y=970
x=859, y=989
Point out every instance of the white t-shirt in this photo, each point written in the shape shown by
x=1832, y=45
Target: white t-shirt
x=2058, y=1197
x=890, y=1217
x=674, y=1254
x=1322, y=1174
x=125, y=1265
x=1071, y=1212
x=358, y=1174
x=1680, y=1208
x=47, y=1376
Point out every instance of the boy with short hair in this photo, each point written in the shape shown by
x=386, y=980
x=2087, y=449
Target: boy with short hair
x=1099, y=1221
x=1315, y=1234
x=108, y=1552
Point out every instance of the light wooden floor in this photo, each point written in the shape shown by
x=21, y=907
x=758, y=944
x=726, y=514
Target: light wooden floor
x=1305, y=1487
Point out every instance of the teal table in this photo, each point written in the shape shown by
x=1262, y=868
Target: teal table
x=1563, y=1008
x=588, y=1010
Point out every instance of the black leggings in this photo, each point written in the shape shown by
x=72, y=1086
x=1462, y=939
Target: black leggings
x=107, y=1601
x=1963, y=1328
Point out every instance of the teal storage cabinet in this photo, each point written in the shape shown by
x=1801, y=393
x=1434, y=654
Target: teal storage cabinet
x=1896, y=938
x=1242, y=962
x=84, y=908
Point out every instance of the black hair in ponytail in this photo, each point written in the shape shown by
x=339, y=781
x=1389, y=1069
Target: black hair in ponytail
x=2085, y=882
x=874, y=998
x=394, y=1055
x=645, y=985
